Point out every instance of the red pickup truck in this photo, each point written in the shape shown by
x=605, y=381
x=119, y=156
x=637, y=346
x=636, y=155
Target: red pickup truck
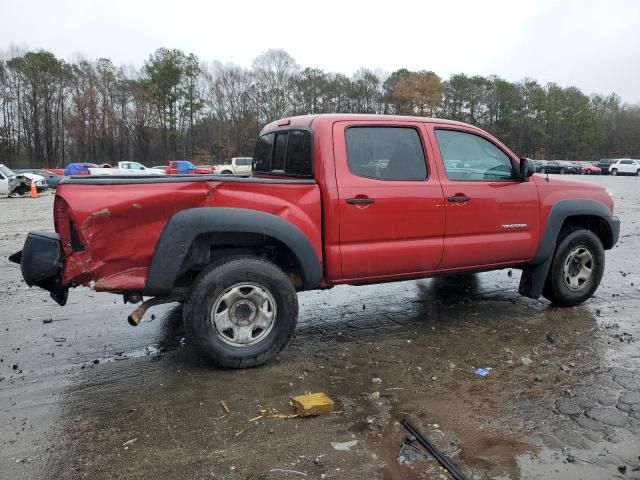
x=335, y=199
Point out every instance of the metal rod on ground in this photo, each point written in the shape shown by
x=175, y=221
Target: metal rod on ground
x=440, y=457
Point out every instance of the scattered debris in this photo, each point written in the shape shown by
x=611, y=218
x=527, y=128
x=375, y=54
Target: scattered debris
x=482, y=372
x=622, y=469
x=47, y=320
x=375, y=395
x=551, y=338
x=59, y=339
x=526, y=361
x=129, y=442
x=409, y=452
x=312, y=404
x=344, y=446
x=285, y=470
x=376, y=381
x=442, y=460
x=225, y=406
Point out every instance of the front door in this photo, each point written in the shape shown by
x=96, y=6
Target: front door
x=492, y=216
x=390, y=201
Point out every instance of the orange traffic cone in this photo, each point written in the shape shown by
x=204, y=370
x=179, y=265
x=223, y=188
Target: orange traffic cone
x=34, y=190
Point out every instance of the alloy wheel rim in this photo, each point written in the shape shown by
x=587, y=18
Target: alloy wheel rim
x=578, y=268
x=244, y=314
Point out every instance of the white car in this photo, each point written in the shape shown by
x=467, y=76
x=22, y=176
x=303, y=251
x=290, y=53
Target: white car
x=8, y=181
x=237, y=166
x=625, y=166
x=127, y=168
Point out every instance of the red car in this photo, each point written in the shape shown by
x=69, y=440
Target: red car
x=590, y=170
x=336, y=199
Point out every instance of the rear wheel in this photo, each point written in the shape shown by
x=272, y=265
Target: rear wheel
x=241, y=312
x=227, y=172
x=562, y=171
x=613, y=172
x=638, y=173
x=576, y=268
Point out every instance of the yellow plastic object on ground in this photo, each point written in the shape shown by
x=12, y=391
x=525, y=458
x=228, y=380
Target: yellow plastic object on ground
x=312, y=404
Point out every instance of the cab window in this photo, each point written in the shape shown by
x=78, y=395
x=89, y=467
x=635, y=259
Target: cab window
x=470, y=157
x=385, y=153
x=288, y=152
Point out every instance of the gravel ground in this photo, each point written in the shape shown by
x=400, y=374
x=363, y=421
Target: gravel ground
x=84, y=395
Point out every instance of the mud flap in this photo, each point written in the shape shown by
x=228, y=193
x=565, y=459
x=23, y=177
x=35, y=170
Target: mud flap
x=533, y=278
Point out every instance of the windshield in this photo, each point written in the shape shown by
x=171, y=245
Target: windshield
x=7, y=171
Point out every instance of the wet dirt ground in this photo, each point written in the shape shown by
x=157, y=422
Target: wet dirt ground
x=84, y=395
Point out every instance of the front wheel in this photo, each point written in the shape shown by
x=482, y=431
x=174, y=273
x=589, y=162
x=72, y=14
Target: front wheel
x=638, y=173
x=576, y=268
x=614, y=172
x=241, y=312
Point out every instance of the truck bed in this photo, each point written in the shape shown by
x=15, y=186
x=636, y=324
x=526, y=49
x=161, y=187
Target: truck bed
x=109, y=226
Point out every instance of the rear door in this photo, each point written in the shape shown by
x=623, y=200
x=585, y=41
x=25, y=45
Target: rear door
x=492, y=216
x=627, y=166
x=390, y=201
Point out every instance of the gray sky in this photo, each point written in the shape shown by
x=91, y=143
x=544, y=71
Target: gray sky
x=593, y=45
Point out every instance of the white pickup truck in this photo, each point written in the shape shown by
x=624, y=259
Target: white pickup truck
x=237, y=166
x=127, y=168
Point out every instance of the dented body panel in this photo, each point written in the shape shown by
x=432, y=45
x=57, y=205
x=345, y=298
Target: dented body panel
x=119, y=225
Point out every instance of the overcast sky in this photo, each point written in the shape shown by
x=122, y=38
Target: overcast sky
x=593, y=45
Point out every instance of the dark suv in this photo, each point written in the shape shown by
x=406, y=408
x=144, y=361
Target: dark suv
x=604, y=165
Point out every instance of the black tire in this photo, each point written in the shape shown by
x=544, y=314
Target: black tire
x=562, y=171
x=556, y=288
x=638, y=173
x=227, y=172
x=613, y=172
x=214, y=283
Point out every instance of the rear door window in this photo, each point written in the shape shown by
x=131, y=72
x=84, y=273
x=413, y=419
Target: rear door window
x=385, y=153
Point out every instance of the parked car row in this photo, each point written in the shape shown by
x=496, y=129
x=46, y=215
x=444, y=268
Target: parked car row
x=14, y=182
x=620, y=166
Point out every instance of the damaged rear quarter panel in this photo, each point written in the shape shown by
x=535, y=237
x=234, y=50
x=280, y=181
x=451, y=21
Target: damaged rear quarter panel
x=120, y=225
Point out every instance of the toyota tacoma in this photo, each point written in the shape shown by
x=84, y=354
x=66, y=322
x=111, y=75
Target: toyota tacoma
x=335, y=199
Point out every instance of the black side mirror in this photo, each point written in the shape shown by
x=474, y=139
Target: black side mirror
x=527, y=168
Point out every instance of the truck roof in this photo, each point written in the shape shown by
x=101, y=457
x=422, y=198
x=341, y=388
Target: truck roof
x=309, y=120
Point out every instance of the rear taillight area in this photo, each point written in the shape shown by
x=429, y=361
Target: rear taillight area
x=65, y=227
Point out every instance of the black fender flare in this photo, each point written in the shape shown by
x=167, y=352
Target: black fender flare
x=535, y=274
x=186, y=225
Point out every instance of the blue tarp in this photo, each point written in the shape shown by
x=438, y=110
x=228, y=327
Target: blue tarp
x=76, y=169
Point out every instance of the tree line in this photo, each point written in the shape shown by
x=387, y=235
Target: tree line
x=53, y=111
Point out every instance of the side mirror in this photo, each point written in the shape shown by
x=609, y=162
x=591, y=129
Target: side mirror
x=527, y=167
